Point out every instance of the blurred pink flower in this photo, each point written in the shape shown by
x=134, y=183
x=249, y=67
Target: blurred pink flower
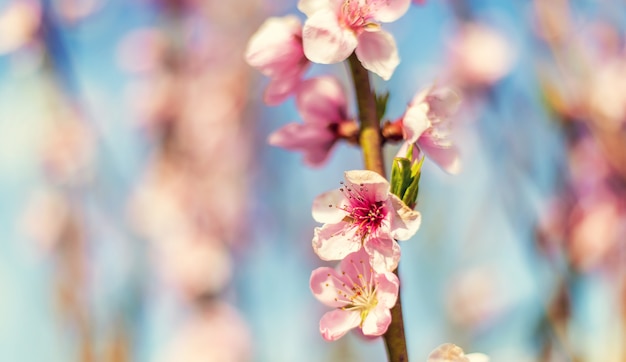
x=363, y=213
x=474, y=297
x=217, y=334
x=276, y=51
x=19, y=23
x=479, y=55
x=449, y=352
x=336, y=28
x=362, y=297
x=323, y=107
x=45, y=219
x=427, y=124
x=68, y=153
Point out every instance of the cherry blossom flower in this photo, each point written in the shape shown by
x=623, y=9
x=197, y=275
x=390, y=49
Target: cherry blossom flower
x=336, y=28
x=19, y=23
x=362, y=297
x=363, y=213
x=449, y=352
x=323, y=106
x=426, y=123
x=276, y=51
x=480, y=55
x=216, y=333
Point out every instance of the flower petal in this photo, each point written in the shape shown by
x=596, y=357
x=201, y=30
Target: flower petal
x=310, y=7
x=404, y=222
x=321, y=100
x=377, y=52
x=280, y=89
x=384, y=253
x=335, y=241
x=477, y=357
x=356, y=266
x=442, y=152
x=415, y=122
x=325, y=41
x=327, y=207
x=387, y=11
x=315, y=142
x=387, y=289
x=447, y=352
x=377, y=321
x=323, y=285
x=375, y=187
x=335, y=324
x=276, y=48
x=443, y=102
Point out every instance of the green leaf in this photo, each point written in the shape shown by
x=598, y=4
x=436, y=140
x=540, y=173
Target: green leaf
x=400, y=175
x=381, y=104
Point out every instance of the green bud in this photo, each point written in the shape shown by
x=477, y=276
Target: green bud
x=405, y=177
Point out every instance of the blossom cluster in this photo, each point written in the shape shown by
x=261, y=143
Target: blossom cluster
x=363, y=219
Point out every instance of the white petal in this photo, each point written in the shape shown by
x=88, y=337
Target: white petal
x=477, y=357
x=378, y=53
x=447, y=353
x=415, y=122
x=391, y=10
x=327, y=207
x=405, y=222
x=310, y=7
x=325, y=41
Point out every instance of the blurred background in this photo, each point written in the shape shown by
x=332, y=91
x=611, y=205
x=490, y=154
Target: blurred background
x=143, y=217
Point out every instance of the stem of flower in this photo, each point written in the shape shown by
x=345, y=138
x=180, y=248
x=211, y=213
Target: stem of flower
x=370, y=139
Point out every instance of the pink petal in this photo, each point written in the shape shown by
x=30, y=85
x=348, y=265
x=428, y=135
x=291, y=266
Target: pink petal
x=375, y=186
x=315, y=142
x=322, y=100
x=335, y=241
x=356, y=264
x=280, y=89
x=387, y=11
x=387, y=289
x=377, y=52
x=404, y=222
x=276, y=48
x=443, y=102
x=327, y=207
x=323, y=285
x=325, y=41
x=377, y=321
x=415, y=122
x=444, y=154
x=335, y=324
x=384, y=253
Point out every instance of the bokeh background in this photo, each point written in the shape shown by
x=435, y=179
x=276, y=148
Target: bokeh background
x=143, y=217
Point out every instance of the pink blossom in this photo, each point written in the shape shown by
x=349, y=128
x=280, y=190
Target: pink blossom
x=323, y=107
x=426, y=123
x=480, y=55
x=363, y=213
x=19, y=23
x=336, y=28
x=362, y=297
x=449, y=352
x=276, y=51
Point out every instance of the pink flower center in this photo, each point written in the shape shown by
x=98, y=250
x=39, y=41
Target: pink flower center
x=359, y=294
x=363, y=213
x=356, y=15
